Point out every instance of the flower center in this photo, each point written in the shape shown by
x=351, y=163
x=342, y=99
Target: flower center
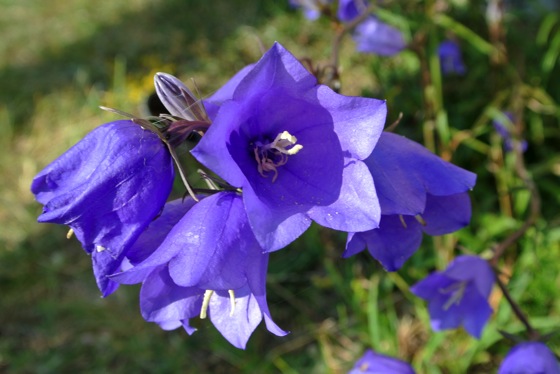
x=457, y=291
x=270, y=156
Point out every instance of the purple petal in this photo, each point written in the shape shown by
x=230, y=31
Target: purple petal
x=404, y=172
x=450, y=58
x=530, y=357
x=177, y=98
x=238, y=324
x=350, y=9
x=392, y=243
x=146, y=254
x=212, y=241
x=162, y=301
x=446, y=214
x=107, y=188
x=213, y=103
x=375, y=363
x=272, y=229
x=465, y=268
x=358, y=121
x=357, y=208
x=374, y=36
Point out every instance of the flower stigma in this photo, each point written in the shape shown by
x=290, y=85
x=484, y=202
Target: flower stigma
x=232, y=302
x=272, y=155
x=205, y=302
x=401, y=218
x=457, y=291
x=420, y=220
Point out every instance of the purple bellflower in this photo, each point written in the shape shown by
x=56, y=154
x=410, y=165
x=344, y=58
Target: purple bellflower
x=450, y=58
x=503, y=127
x=107, y=188
x=350, y=9
x=376, y=363
x=530, y=358
x=296, y=150
x=312, y=9
x=374, y=36
x=207, y=263
x=459, y=295
x=418, y=192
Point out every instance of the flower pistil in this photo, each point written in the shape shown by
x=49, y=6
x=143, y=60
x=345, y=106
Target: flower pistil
x=269, y=156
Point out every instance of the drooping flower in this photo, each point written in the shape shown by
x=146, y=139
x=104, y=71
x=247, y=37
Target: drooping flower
x=107, y=188
x=459, y=295
x=418, y=192
x=375, y=363
x=450, y=58
x=503, y=127
x=530, y=358
x=350, y=9
x=374, y=36
x=311, y=8
x=207, y=263
x=296, y=150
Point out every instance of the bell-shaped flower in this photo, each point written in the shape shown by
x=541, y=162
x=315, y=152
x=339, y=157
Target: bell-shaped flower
x=458, y=295
x=450, y=58
x=312, y=9
x=375, y=363
x=503, y=126
x=418, y=192
x=374, y=36
x=530, y=358
x=296, y=150
x=350, y=9
x=208, y=263
x=107, y=188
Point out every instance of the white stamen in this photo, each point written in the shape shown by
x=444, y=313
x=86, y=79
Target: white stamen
x=457, y=291
x=205, y=302
x=100, y=248
x=69, y=233
x=232, y=302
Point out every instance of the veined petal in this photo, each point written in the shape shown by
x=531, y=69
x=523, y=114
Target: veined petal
x=446, y=214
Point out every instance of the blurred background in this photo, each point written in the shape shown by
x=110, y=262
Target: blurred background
x=61, y=60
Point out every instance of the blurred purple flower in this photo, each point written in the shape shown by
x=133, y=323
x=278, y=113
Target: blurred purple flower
x=295, y=148
x=374, y=36
x=208, y=262
x=504, y=129
x=376, y=363
x=459, y=295
x=350, y=9
x=107, y=188
x=418, y=192
x=530, y=358
x=311, y=8
x=450, y=58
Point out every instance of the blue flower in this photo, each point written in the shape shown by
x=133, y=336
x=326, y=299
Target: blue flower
x=350, y=9
x=200, y=260
x=295, y=148
x=418, y=192
x=374, y=36
x=530, y=358
x=107, y=188
x=311, y=8
x=503, y=125
x=450, y=58
x=376, y=363
x=459, y=295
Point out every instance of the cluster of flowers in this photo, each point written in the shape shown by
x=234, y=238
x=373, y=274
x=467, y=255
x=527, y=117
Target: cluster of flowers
x=287, y=152
x=370, y=34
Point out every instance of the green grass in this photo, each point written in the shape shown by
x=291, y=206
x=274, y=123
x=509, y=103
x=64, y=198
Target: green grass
x=60, y=60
